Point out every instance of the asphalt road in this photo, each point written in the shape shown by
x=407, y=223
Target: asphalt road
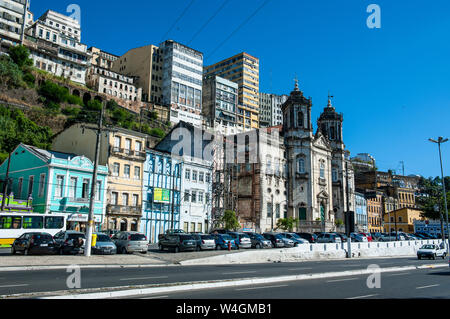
x=20, y=282
x=420, y=284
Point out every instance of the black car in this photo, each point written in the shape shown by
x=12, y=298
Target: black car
x=178, y=242
x=276, y=239
x=70, y=242
x=312, y=238
x=34, y=243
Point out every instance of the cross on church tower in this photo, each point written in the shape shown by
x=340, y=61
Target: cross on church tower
x=329, y=99
x=296, y=83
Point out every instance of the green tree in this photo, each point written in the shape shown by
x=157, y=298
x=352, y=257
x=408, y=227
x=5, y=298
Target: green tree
x=10, y=73
x=17, y=128
x=52, y=92
x=230, y=220
x=431, y=197
x=21, y=56
x=94, y=105
x=287, y=224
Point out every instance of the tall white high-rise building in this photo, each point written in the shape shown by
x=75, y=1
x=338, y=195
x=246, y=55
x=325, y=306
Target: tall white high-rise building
x=13, y=19
x=182, y=81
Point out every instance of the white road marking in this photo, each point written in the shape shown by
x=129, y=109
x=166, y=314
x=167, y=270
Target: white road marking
x=424, y=287
x=144, y=278
x=10, y=286
x=294, y=269
x=265, y=287
x=157, y=297
x=347, y=279
x=239, y=273
x=402, y=274
x=361, y=297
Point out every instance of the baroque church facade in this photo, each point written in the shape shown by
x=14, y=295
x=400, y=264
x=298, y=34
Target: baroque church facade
x=320, y=187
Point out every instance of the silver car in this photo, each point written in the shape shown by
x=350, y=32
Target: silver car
x=242, y=240
x=328, y=238
x=104, y=245
x=204, y=242
x=130, y=242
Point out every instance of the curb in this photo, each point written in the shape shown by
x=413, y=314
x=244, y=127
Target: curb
x=232, y=283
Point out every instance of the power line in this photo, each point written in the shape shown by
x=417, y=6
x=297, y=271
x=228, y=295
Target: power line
x=240, y=26
x=178, y=19
x=209, y=20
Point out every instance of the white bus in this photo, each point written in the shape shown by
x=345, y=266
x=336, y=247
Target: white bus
x=13, y=225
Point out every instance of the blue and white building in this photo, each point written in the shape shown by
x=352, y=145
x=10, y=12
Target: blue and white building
x=57, y=183
x=361, y=221
x=161, y=194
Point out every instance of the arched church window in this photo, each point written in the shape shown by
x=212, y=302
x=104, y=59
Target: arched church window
x=301, y=165
x=322, y=169
x=300, y=119
x=332, y=133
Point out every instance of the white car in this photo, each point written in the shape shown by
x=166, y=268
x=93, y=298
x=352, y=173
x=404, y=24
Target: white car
x=431, y=251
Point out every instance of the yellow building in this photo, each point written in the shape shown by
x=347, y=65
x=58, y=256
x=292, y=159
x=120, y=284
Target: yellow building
x=242, y=69
x=375, y=213
x=123, y=151
x=402, y=220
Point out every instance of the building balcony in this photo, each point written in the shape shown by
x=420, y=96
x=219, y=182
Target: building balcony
x=124, y=210
x=301, y=175
x=127, y=154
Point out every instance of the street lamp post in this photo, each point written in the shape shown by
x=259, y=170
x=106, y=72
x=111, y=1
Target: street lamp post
x=440, y=141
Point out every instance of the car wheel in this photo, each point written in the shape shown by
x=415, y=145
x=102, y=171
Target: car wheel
x=177, y=250
x=144, y=252
x=197, y=248
x=218, y=247
x=124, y=250
x=26, y=252
x=160, y=247
x=13, y=250
x=296, y=245
x=258, y=246
x=419, y=257
x=433, y=257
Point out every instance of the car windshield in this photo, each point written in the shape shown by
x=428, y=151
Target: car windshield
x=259, y=237
x=278, y=236
x=103, y=238
x=227, y=237
x=243, y=236
x=295, y=236
x=428, y=247
x=138, y=237
x=207, y=237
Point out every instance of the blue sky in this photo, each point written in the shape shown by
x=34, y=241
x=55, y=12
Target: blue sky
x=392, y=84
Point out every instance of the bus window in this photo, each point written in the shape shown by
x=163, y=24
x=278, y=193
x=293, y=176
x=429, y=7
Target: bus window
x=54, y=222
x=10, y=222
x=34, y=222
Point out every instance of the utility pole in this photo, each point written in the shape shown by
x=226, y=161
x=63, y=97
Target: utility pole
x=91, y=219
x=440, y=141
x=173, y=196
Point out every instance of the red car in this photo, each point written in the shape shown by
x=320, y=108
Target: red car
x=368, y=236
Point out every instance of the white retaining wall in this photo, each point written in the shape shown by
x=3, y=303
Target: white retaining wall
x=316, y=252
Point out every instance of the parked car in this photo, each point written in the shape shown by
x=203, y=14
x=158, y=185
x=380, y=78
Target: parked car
x=424, y=235
x=432, y=251
x=178, y=242
x=377, y=236
x=241, y=240
x=295, y=238
x=328, y=238
x=70, y=242
x=34, y=243
x=368, y=236
x=407, y=236
x=222, y=241
x=171, y=232
x=358, y=238
x=392, y=237
x=204, y=242
x=420, y=236
x=258, y=241
x=104, y=245
x=312, y=238
x=276, y=239
x=130, y=242
x=343, y=236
